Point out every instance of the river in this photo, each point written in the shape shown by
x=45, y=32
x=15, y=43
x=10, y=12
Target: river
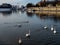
x=10, y=32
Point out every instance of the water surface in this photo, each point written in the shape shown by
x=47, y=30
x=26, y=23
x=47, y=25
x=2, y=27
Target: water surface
x=10, y=32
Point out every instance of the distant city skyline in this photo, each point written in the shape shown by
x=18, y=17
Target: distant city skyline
x=19, y=2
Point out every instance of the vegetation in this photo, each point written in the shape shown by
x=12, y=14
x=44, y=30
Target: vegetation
x=44, y=4
x=5, y=5
x=37, y=5
x=30, y=5
x=58, y=4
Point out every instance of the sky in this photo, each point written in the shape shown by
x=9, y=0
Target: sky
x=19, y=2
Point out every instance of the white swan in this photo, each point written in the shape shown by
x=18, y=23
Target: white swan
x=54, y=31
x=52, y=28
x=45, y=27
x=20, y=41
x=28, y=34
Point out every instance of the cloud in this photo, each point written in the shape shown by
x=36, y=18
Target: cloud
x=9, y=1
x=21, y=2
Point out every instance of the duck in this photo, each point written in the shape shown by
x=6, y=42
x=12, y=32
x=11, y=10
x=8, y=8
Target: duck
x=28, y=34
x=20, y=41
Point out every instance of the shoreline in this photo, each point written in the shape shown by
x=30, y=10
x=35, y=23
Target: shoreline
x=44, y=8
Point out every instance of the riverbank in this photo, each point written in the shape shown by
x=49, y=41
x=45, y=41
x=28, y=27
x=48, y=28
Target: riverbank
x=44, y=8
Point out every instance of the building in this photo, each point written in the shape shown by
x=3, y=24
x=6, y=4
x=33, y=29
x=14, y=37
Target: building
x=48, y=2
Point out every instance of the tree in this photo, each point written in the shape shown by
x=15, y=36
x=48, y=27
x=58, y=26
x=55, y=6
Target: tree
x=37, y=5
x=29, y=5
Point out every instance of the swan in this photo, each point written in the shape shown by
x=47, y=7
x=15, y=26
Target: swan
x=52, y=28
x=54, y=31
x=45, y=27
x=28, y=34
x=20, y=41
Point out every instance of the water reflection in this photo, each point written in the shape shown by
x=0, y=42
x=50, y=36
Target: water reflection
x=6, y=13
x=9, y=30
x=51, y=17
x=29, y=14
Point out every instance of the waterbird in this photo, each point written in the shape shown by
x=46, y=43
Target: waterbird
x=52, y=28
x=54, y=31
x=20, y=41
x=45, y=27
x=19, y=25
x=28, y=34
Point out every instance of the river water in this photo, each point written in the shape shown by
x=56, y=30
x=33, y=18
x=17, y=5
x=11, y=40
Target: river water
x=10, y=32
